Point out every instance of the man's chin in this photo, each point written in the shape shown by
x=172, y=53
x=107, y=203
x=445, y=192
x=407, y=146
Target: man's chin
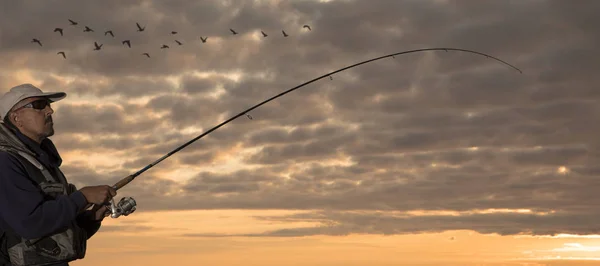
x=50, y=132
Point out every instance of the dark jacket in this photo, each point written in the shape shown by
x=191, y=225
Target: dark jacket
x=22, y=204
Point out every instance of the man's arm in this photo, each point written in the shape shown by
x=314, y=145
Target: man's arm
x=86, y=221
x=86, y=218
x=23, y=207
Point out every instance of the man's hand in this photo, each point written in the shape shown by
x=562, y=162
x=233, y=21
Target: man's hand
x=98, y=195
x=100, y=211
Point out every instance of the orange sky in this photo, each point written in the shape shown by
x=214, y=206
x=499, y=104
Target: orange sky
x=476, y=143
x=156, y=247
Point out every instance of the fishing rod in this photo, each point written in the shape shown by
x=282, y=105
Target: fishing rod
x=129, y=201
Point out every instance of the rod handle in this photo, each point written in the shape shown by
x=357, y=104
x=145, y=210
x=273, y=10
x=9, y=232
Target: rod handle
x=123, y=182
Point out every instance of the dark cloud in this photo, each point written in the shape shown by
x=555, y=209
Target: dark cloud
x=129, y=228
x=423, y=131
x=193, y=85
x=134, y=227
x=341, y=223
x=105, y=119
x=312, y=149
x=452, y=180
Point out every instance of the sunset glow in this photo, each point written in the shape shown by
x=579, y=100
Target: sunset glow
x=425, y=158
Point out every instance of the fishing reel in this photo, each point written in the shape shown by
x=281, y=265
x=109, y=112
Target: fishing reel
x=125, y=207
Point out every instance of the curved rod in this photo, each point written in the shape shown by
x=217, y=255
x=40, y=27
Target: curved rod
x=130, y=178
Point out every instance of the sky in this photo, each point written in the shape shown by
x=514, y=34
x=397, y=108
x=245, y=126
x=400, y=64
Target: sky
x=429, y=158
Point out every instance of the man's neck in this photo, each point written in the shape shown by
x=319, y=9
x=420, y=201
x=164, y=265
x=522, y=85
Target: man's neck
x=33, y=137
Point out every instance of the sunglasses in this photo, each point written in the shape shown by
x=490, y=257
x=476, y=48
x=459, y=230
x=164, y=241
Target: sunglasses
x=38, y=104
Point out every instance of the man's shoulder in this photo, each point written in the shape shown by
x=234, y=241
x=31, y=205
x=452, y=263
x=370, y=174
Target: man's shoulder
x=6, y=156
x=8, y=160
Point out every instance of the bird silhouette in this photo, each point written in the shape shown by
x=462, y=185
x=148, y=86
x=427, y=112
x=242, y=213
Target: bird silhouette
x=284, y=34
x=164, y=46
x=59, y=30
x=109, y=32
x=173, y=32
x=140, y=27
x=263, y=33
x=97, y=46
x=178, y=42
x=249, y=116
x=203, y=39
x=126, y=42
x=38, y=41
x=306, y=26
x=232, y=31
x=146, y=54
x=73, y=22
x=63, y=54
x=87, y=29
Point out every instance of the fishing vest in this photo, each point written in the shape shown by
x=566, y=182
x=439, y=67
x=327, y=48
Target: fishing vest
x=64, y=245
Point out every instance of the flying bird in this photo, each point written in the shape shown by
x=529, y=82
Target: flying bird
x=59, y=30
x=109, y=32
x=87, y=29
x=140, y=27
x=263, y=33
x=126, y=42
x=178, y=42
x=146, y=54
x=306, y=26
x=73, y=22
x=284, y=34
x=203, y=39
x=97, y=46
x=164, y=46
x=38, y=41
x=63, y=54
x=173, y=32
x=232, y=31
x=249, y=116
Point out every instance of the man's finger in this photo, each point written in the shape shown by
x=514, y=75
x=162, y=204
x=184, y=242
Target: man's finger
x=112, y=191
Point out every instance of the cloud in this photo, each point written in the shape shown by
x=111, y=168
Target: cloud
x=381, y=223
x=424, y=131
x=120, y=228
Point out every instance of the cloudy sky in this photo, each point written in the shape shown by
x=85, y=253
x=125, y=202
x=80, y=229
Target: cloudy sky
x=431, y=157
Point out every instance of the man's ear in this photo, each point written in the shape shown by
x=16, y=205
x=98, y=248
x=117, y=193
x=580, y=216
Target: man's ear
x=14, y=119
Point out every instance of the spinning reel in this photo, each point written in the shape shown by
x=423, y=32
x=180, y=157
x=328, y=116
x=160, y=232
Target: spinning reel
x=125, y=207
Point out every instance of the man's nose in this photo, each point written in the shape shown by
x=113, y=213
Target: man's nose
x=49, y=110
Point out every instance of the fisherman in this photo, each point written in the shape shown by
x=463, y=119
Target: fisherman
x=44, y=220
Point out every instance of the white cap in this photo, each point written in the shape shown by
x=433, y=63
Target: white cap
x=24, y=91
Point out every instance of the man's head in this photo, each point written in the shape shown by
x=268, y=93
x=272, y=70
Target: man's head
x=28, y=109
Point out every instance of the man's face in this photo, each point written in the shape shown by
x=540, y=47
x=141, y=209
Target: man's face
x=34, y=121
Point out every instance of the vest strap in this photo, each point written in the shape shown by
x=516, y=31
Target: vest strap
x=39, y=165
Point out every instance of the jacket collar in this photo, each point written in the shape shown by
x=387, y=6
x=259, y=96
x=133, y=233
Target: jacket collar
x=24, y=143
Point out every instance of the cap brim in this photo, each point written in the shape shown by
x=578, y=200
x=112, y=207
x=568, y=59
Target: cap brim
x=53, y=96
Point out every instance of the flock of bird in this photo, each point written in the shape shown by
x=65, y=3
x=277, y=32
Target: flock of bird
x=98, y=46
